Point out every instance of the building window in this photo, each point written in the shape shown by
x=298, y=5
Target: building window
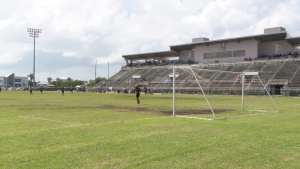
x=218, y=54
x=238, y=53
x=18, y=85
x=17, y=80
x=1, y=81
x=208, y=55
x=226, y=54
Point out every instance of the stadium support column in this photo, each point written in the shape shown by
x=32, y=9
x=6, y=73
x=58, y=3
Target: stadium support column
x=173, y=91
x=243, y=87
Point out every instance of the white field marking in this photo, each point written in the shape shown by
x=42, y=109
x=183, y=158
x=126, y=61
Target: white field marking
x=290, y=105
x=55, y=128
x=264, y=111
x=194, y=117
x=118, y=121
x=243, y=115
x=35, y=115
x=57, y=114
x=77, y=124
x=51, y=120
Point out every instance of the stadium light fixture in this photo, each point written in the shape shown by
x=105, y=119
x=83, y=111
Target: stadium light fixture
x=35, y=34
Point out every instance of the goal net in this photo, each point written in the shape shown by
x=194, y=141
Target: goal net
x=214, y=94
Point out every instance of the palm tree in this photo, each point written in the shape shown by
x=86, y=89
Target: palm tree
x=49, y=79
x=30, y=82
x=30, y=76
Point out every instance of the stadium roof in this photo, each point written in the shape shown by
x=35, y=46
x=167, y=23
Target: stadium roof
x=151, y=55
x=262, y=37
x=294, y=40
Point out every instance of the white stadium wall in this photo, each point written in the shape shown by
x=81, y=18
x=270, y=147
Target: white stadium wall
x=250, y=47
x=274, y=47
x=173, y=57
x=183, y=55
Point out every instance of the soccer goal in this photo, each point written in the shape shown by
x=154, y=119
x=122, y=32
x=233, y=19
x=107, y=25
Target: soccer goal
x=214, y=93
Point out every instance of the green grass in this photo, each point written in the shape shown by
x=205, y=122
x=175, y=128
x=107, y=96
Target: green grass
x=111, y=131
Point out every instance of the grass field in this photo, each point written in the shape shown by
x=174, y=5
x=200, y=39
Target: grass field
x=111, y=131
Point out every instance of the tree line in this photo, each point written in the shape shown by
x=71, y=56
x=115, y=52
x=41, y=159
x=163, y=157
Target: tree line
x=69, y=82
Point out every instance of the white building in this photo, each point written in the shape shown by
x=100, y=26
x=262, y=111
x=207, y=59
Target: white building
x=11, y=80
x=41, y=84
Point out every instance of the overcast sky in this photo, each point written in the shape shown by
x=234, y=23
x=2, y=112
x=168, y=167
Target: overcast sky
x=78, y=32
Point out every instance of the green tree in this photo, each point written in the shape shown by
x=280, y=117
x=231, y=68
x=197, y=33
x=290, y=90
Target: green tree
x=68, y=83
x=30, y=79
x=49, y=79
x=30, y=76
x=98, y=80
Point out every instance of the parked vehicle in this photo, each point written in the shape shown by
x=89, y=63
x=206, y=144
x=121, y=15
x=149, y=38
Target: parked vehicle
x=11, y=89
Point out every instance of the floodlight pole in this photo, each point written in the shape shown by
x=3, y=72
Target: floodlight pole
x=108, y=70
x=243, y=87
x=173, y=91
x=35, y=34
x=95, y=74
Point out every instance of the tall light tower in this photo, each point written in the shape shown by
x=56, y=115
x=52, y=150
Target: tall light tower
x=95, y=73
x=35, y=34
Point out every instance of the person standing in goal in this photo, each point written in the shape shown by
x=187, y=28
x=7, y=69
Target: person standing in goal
x=138, y=90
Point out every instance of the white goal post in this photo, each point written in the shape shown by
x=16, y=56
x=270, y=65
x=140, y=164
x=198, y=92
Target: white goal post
x=242, y=74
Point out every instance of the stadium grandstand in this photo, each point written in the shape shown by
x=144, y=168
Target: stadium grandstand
x=274, y=54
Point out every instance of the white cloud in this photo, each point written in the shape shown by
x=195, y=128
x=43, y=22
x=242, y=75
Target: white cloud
x=69, y=54
x=106, y=30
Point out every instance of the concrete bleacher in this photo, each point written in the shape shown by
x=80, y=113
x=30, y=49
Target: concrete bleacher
x=283, y=71
x=287, y=71
x=295, y=79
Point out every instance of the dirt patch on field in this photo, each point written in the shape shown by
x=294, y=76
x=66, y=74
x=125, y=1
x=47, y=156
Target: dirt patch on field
x=138, y=109
x=152, y=111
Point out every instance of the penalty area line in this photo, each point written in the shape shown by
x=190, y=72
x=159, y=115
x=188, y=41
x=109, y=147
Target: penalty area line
x=54, y=128
x=57, y=121
x=119, y=121
x=76, y=125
